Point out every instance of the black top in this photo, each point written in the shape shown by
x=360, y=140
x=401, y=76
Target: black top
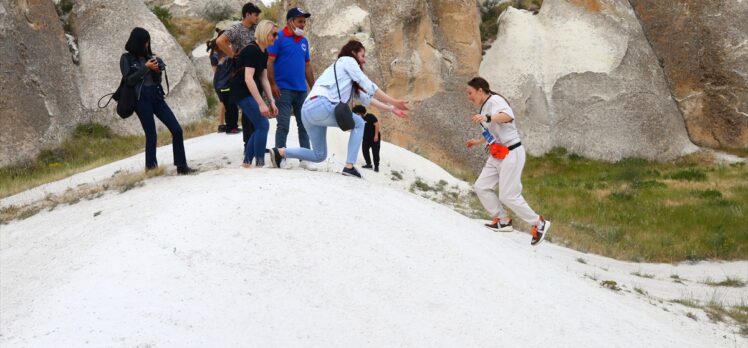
x=369, y=127
x=134, y=72
x=250, y=57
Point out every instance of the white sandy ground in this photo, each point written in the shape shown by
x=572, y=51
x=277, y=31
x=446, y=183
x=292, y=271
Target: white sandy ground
x=267, y=257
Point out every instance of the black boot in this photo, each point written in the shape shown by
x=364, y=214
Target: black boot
x=185, y=170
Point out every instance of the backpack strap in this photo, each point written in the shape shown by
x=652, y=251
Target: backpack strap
x=168, y=89
x=110, y=95
x=335, y=71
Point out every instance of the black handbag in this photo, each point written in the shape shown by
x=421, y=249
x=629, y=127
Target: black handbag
x=343, y=113
x=125, y=98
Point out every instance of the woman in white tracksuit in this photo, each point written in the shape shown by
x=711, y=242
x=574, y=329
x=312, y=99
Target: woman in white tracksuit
x=505, y=162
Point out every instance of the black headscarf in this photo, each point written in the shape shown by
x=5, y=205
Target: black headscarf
x=136, y=43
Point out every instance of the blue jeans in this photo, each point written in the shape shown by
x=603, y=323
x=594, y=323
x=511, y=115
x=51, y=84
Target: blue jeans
x=255, y=147
x=290, y=100
x=151, y=103
x=318, y=114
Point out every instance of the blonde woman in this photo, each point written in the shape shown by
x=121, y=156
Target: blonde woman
x=251, y=73
x=505, y=162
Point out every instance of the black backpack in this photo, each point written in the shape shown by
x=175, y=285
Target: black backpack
x=125, y=98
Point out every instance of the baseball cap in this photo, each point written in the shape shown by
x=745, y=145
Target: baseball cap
x=297, y=12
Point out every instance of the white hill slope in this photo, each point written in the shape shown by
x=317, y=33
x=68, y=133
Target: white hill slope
x=265, y=257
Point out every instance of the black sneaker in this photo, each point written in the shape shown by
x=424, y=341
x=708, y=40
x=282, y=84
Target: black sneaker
x=275, y=157
x=366, y=166
x=376, y=169
x=186, y=170
x=496, y=225
x=352, y=172
x=221, y=128
x=538, y=233
x=234, y=131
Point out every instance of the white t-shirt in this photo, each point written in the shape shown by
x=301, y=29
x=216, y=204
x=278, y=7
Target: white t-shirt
x=505, y=133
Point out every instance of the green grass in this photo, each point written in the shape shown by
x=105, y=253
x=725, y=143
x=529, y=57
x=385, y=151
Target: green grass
x=727, y=282
x=687, y=302
x=637, y=210
x=643, y=275
x=163, y=14
x=91, y=145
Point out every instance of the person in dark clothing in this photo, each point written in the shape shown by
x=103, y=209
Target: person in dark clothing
x=372, y=137
x=233, y=41
x=222, y=69
x=142, y=71
x=251, y=67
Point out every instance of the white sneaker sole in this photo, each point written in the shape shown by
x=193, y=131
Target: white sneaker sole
x=545, y=233
x=501, y=229
x=351, y=175
x=272, y=159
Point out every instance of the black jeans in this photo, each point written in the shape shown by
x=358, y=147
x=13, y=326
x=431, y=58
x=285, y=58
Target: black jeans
x=151, y=103
x=374, y=146
x=232, y=110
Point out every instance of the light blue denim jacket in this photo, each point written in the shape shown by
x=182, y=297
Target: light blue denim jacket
x=348, y=70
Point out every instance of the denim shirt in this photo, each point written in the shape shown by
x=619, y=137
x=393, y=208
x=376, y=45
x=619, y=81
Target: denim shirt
x=134, y=71
x=348, y=71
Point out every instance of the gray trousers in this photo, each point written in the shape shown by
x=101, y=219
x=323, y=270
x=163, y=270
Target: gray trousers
x=507, y=175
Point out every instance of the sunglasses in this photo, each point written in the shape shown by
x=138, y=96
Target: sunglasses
x=275, y=34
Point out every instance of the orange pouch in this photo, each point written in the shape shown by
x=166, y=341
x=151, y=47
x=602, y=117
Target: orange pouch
x=498, y=151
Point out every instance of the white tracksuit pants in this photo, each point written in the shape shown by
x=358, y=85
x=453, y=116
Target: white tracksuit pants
x=507, y=174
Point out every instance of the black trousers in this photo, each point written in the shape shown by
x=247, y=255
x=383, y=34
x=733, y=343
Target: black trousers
x=232, y=110
x=150, y=104
x=374, y=146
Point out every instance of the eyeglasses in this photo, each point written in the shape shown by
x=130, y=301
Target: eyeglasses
x=275, y=34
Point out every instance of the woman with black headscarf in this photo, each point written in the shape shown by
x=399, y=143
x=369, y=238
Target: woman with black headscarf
x=143, y=70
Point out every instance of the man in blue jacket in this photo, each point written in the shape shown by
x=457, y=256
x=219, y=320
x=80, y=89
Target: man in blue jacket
x=290, y=73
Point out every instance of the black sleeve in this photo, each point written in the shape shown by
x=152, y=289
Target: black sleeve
x=254, y=58
x=134, y=76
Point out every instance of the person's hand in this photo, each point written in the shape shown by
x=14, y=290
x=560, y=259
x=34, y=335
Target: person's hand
x=276, y=91
x=400, y=113
x=152, y=64
x=401, y=104
x=478, y=119
x=264, y=110
x=376, y=138
x=472, y=142
x=273, y=109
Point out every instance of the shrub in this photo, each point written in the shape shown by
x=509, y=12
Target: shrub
x=163, y=14
x=217, y=12
x=690, y=174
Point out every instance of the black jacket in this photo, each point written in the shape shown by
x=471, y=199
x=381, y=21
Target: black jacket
x=134, y=72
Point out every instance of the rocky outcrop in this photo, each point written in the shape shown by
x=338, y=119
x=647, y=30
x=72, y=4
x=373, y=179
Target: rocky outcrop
x=581, y=75
x=102, y=31
x=423, y=50
x=703, y=48
x=39, y=104
x=199, y=8
x=201, y=61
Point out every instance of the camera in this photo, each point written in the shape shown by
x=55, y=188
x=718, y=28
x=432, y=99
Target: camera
x=161, y=64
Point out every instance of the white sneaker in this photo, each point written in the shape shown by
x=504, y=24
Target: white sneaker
x=284, y=164
x=308, y=166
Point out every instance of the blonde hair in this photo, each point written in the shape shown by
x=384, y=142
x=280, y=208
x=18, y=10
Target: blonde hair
x=264, y=28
